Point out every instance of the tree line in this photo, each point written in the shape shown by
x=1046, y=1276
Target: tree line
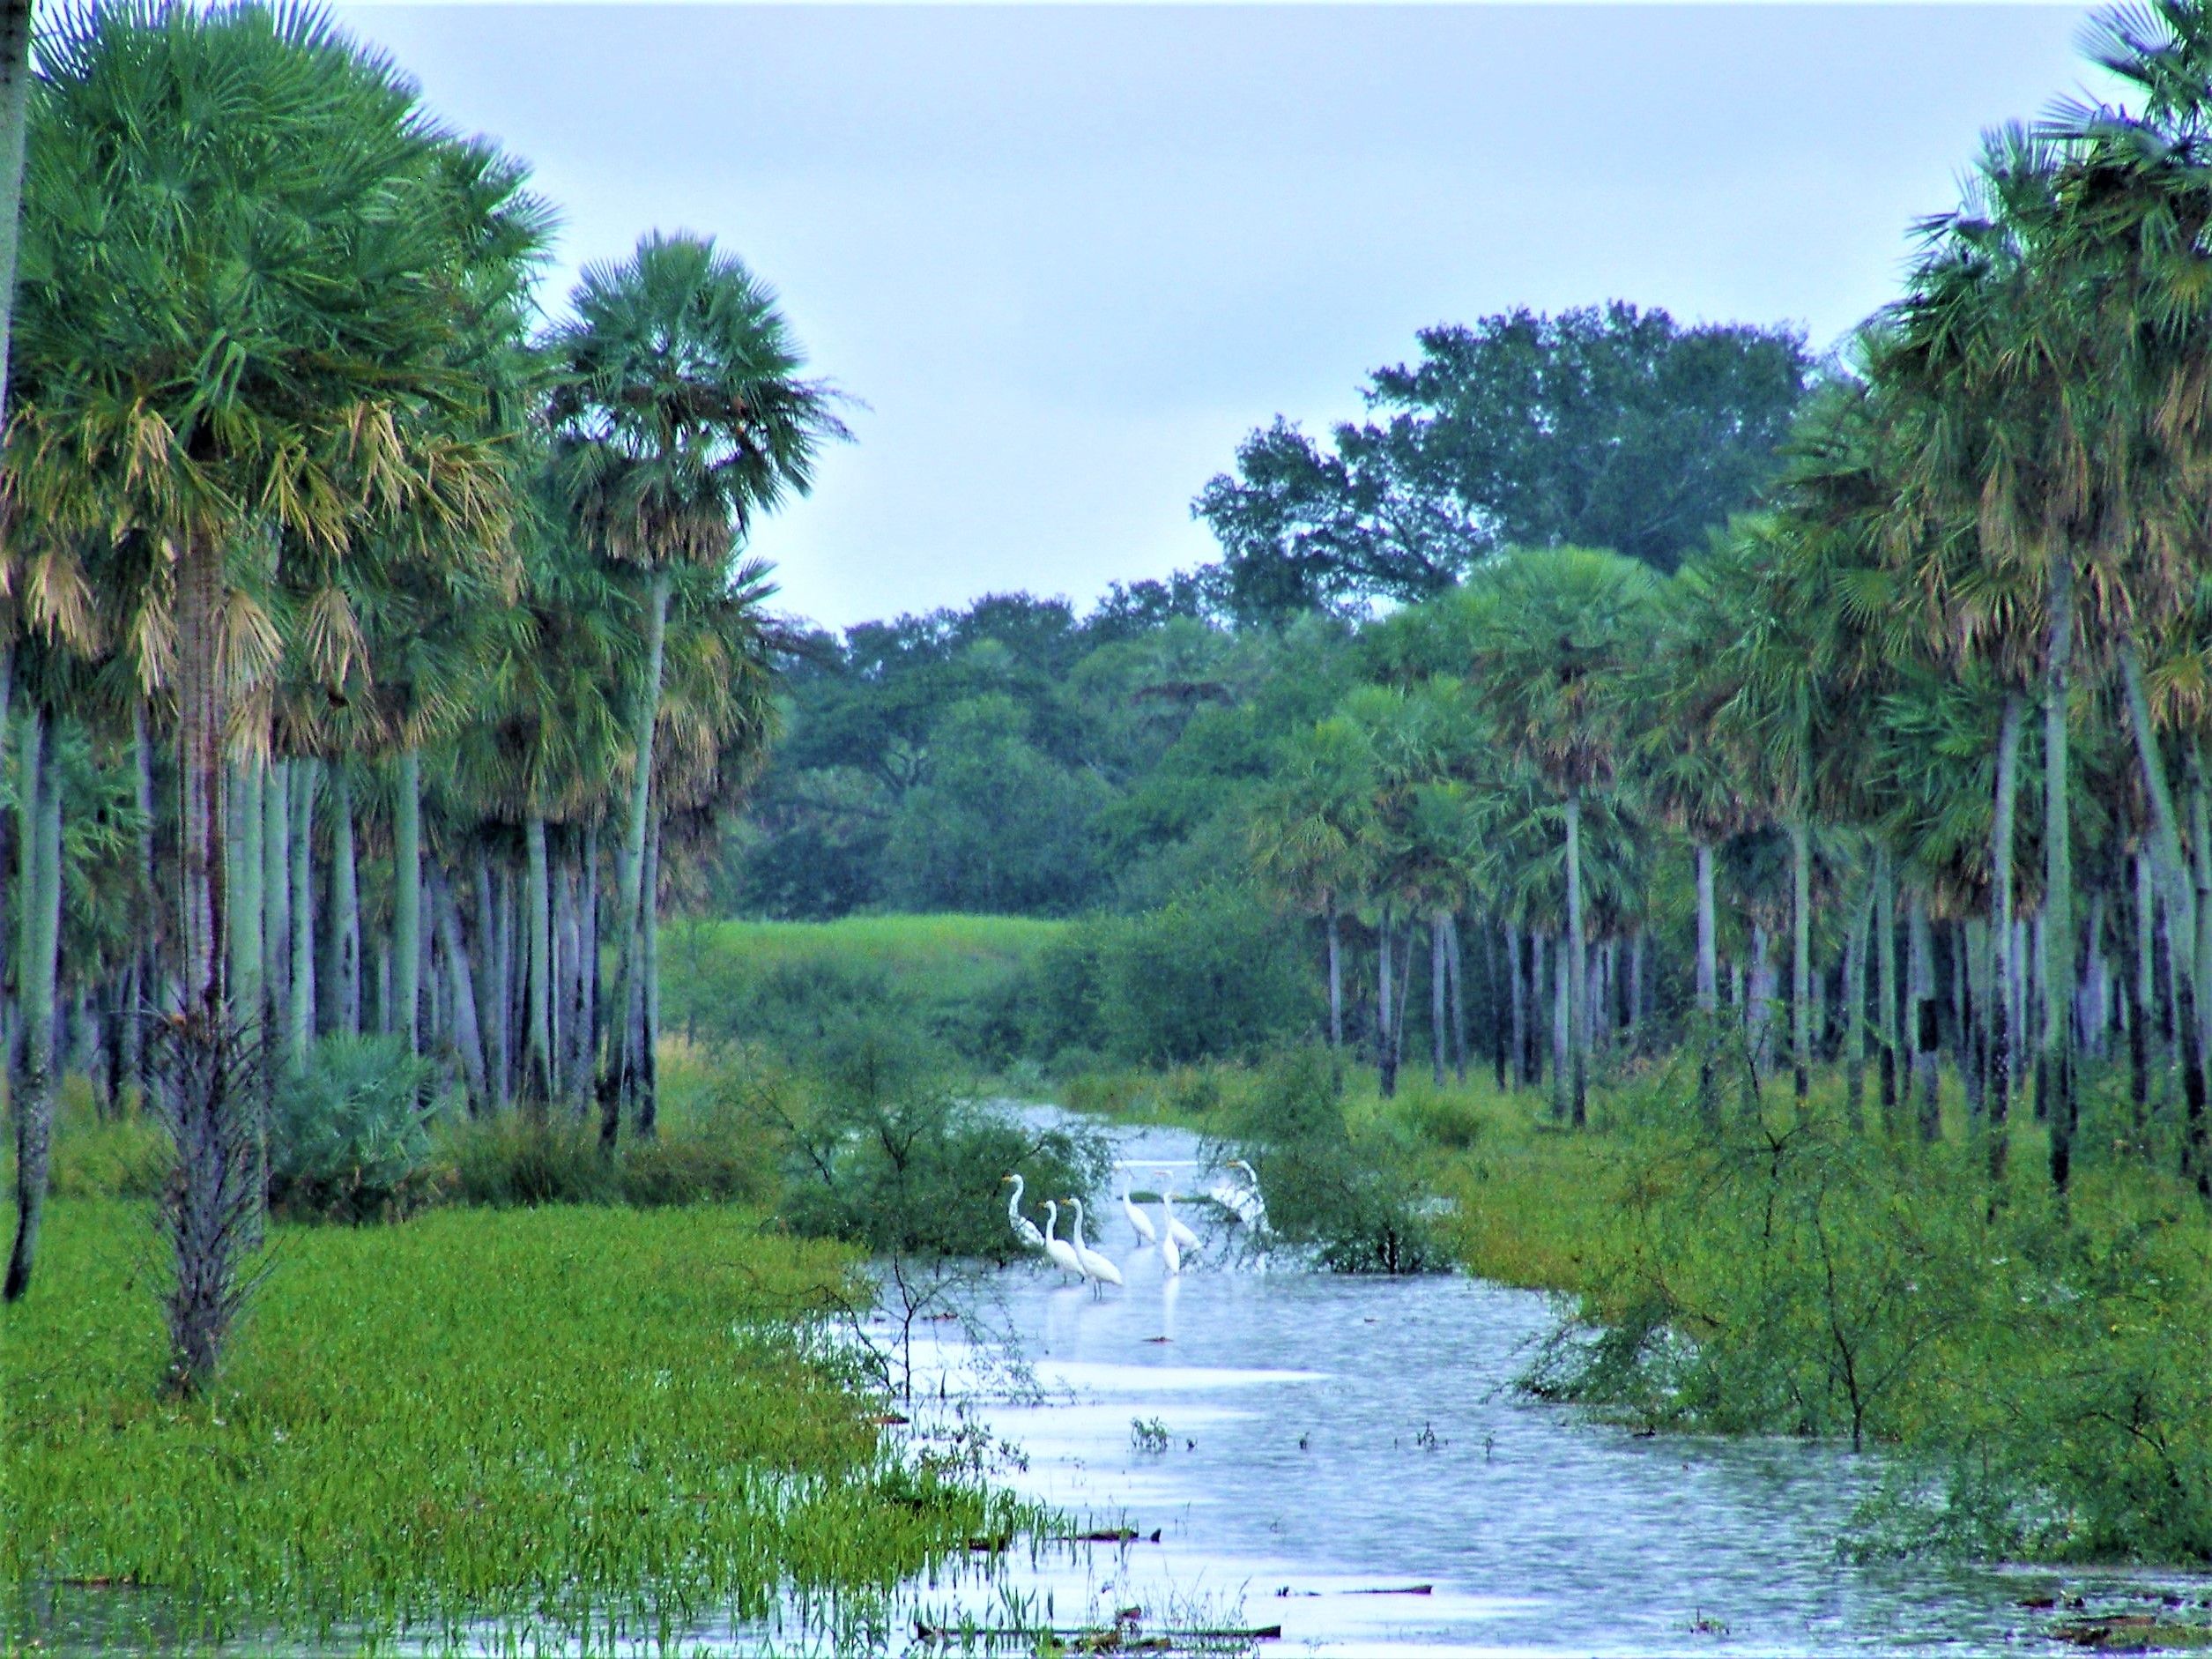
x=1946, y=683
x=375, y=655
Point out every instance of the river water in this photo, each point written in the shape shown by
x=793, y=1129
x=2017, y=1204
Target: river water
x=1318, y=1446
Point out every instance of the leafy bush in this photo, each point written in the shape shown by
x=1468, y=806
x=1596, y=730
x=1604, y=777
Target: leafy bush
x=881, y=1151
x=350, y=1140
x=1352, y=1191
x=1210, y=975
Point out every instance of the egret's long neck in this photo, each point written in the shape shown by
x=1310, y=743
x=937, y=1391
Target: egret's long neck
x=1013, y=1200
x=1079, y=1226
x=1051, y=1217
x=1167, y=1203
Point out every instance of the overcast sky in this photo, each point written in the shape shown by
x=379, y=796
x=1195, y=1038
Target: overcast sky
x=1067, y=257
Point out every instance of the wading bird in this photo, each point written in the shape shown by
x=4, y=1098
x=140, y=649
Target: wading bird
x=1170, y=1252
x=1176, y=1231
x=1243, y=1199
x=1096, y=1269
x=1024, y=1228
x=1063, y=1253
x=1139, y=1223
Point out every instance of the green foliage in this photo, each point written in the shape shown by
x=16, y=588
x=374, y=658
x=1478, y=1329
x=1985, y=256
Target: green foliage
x=1350, y=1188
x=546, y=1422
x=350, y=1137
x=1212, y=975
x=884, y=1154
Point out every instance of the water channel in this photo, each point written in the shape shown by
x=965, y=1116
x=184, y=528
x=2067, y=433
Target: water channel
x=1325, y=1445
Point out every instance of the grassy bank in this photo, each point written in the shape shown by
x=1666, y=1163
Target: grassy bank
x=571, y=1416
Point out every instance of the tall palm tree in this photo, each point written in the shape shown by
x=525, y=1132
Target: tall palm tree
x=1310, y=835
x=680, y=415
x=231, y=413
x=1552, y=635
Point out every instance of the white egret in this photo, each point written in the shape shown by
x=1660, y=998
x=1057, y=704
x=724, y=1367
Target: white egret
x=1096, y=1268
x=1170, y=1252
x=1024, y=1228
x=1139, y=1223
x=1176, y=1231
x=1242, y=1199
x=1063, y=1253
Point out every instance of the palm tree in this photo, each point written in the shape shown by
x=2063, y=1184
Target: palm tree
x=314, y=396
x=1552, y=633
x=680, y=415
x=1309, y=833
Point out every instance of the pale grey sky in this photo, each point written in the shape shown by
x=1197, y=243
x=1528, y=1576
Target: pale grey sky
x=1068, y=256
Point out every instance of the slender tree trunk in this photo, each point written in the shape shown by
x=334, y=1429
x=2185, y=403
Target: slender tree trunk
x=1498, y=950
x=1886, y=988
x=2057, y=852
x=538, y=1078
x=1561, y=1024
x=344, y=971
x=302, y=907
x=246, y=920
x=491, y=995
x=1439, y=996
x=147, y=961
x=1456, y=962
x=1801, y=957
x=2145, y=990
x=1926, y=1024
x=15, y=105
x=1336, y=980
x=40, y=898
x=2180, y=913
x=467, y=1033
x=1637, y=987
x=407, y=898
x=1536, y=994
x=2004, y=1068
x=1854, y=1010
x=649, y=992
x=1759, y=1004
x=1385, y=1049
x=1708, y=983
x=276, y=911
x=1578, y=966
x=1517, y=975
x=633, y=864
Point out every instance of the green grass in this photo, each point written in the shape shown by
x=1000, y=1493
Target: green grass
x=577, y=1418
x=944, y=957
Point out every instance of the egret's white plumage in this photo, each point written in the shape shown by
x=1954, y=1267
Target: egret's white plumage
x=1096, y=1268
x=1170, y=1252
x=1024, y=1228
x=1062, y=1252
x=1241, y=1199
x=1139, y=1223
x=1176, y=1231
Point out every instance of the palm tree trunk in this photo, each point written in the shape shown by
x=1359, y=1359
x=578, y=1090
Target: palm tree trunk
x=1456, y=964
x=2144, y=993
x=1854, y=1010
x=1504, y=989
x=1517, y=974
x=1637, y=1010
x=275, y=912
x=344, y=971
x=538, y=1078
x=491, y=979
x=648, y=1057
x=1578, y=966
x=41, y=897
x=1439, y=971
x=2180, y=912
x=147, y=963
x=406, y=910
x=633, y=866
x=1759, y=1004
x=467, y=1032
x=1801, y=957
x=302, y=908
x=1535, y=995
x=1336, y=980
x=15, y=106
x=1927, y=1029
x=1561, y=1024
x=245, y=912
x=1886, y=1024
x=2004, y=1065
x=1386, y=1050
x=2057, y=851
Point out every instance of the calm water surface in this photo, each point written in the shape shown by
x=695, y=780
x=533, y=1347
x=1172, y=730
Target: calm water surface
x=1328, y=1438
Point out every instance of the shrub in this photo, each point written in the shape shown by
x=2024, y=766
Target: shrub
x=1351, y=1192
x=350, y=1140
